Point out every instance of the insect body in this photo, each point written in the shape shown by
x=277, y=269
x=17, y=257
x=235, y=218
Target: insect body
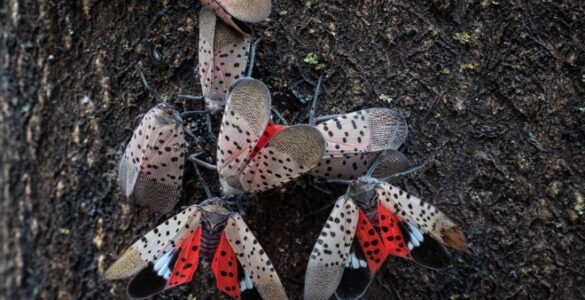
x=355, y=140
x=223, y=56
x=372, y=220
x=151, y=170
x=236, y=11
x=248, y=160
x=170, y=254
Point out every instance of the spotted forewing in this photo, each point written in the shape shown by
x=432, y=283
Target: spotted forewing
x=355, y=140
x=223, y=56
x=151, y=170
x=327, y=260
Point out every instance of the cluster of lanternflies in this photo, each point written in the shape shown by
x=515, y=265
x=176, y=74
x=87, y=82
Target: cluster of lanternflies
x=371, y=221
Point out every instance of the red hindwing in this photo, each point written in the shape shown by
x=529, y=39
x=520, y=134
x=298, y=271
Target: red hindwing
x=187, y=261
x=225, y=268
x=270, y=131
x=390, y=233
x=370, y=242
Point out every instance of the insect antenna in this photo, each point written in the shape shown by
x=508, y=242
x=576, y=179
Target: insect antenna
x=150, y=89
x=202, y=181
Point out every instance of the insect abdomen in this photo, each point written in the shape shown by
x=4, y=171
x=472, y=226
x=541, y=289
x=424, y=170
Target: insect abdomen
x=209, y=242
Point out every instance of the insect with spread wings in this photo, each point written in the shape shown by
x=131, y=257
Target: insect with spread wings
x=206, y=233
x=373, y=220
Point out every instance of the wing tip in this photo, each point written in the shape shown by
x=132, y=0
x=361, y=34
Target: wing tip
x=313, y=144
x=127, y=265
x=252, y=12
x=455, y=238
x=247, y=86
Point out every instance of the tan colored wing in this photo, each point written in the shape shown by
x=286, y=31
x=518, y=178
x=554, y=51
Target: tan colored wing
x=327, y=260
x=164, y=238
x=253, y=259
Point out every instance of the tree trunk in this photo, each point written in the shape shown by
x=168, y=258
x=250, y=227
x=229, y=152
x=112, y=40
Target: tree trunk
x=493, y=92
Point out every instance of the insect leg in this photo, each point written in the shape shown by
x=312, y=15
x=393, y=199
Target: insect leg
x=190, y=97
x=209, y=129
x=145, y=84
x=280, y=117
x=193, y=158
x=202, y=181
x=312, y=120
x=252, y=57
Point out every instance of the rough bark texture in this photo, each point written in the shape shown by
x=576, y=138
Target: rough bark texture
x=493, y=92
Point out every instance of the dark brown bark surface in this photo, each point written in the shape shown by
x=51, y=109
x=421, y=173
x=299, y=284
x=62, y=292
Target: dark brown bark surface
x=493, y=92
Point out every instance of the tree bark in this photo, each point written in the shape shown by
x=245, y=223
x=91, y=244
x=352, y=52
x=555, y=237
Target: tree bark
x=493, y=92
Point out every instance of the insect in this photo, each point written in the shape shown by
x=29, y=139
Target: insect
x=251, y=159
x=223, y=56
x=207, y=233
x=372, y=220
x=233, y=12
x=151, y=170
x=355, y=140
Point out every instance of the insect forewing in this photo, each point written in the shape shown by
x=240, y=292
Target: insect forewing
x=246, y=115
x=157, y=243
x=355, y=140
x=223, y=56
x=290, y=153
x=258, y=268
x=327, y=260
x=151, y=170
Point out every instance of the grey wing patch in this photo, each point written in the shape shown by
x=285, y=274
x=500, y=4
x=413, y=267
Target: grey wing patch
x=388, y=128
x=327, y=260
x=253, y=259
x=391, y=162
x=246, y=116
x=155, y=243
x=251, y=11
x=289, y=154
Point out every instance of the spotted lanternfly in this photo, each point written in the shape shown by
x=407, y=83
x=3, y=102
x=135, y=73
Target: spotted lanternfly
x=151, y=170
x=233, y=12
x=251, y=158
x=355, y=140
x=169, y=255
x=223, y=56
x=372, y=220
